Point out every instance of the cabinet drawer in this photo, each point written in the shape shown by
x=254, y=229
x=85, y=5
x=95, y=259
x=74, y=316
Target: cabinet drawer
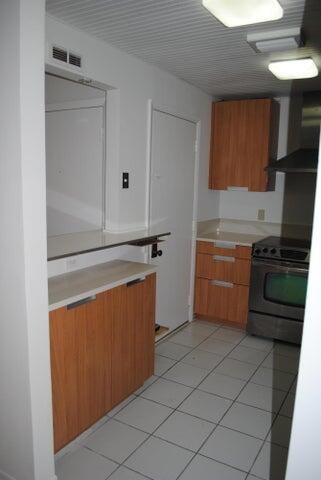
x=222, y=267
x=228, y=302
x=237, y=251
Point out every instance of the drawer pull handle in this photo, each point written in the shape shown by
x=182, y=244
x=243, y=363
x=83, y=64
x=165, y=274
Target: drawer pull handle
x=222, y=258
x=220, y=283
x=235, y=188
x=222, y=244
x=135, y=282
x=83, y=301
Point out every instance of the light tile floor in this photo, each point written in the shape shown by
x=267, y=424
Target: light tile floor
x=219, y=407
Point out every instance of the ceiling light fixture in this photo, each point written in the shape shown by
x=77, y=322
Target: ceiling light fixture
x=294, y=69
x=235, y=13
x=276, y=40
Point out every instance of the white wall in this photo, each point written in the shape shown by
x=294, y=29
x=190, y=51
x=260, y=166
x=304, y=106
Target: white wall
x=244, y=205
x=304, y=455
x=59, y=91
x=135, y=82
x=26, y=448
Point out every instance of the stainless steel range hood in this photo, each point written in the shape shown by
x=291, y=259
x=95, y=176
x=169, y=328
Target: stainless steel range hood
x=304, y=160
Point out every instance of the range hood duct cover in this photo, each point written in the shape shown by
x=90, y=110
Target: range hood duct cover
x=304, y=160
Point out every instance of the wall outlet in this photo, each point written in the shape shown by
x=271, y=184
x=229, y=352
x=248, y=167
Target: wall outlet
x=261, y=214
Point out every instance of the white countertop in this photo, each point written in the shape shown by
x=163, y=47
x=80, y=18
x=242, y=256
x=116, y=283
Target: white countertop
x=74, y=286
x=239, y=232
x=243, y=239
x=61, y=246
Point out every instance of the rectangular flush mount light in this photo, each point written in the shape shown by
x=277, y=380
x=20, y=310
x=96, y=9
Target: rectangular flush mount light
x=294, y=69
x=235, y=13
x=276, y=40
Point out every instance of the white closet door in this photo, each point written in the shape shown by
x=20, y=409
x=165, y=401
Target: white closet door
x=171, y=208
x=74, y=152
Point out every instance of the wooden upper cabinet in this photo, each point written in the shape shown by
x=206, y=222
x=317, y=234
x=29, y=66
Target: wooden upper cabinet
x=244, y=134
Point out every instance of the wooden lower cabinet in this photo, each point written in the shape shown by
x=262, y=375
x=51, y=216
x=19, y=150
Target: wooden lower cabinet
x=133, y=337
x=227, y=303
x=227, y=268
x=80, y=345
x=101, y=352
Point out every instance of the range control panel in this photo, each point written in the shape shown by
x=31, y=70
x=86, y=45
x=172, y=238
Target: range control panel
x=281, y=253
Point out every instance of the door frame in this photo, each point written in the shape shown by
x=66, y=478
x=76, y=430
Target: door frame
x=151, y=107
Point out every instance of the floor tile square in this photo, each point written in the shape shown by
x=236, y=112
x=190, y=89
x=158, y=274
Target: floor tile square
x=262, y=397
x=249, y=420
x=123, y=473
x=172, y=350
x=197, y=328
x=287, y=349
x=144, y=414
x=206, y=406
x=162, y=364
x=236, y=369
x=232, y=448
x=188, y=338
x=216, y=345
x=231, y=336
x=146, y=384
x=271, y=462
x=115, y=440
x=281, y=431
x=273, y=378
x=166, y=392
x=248, y=355
x=222, y=385
x=186, y=374
x=257, y=342
x=159, y=460
x=293, y=388
x=185, y=430
x=208, y=323
x=203, y=468
x=288, y=406
x=202, y=359
x=83, y=464
x=120, y=406
x=281, y=362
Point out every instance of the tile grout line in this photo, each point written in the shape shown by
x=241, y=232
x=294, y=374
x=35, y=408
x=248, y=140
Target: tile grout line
x=174, y=410
x=215, y=425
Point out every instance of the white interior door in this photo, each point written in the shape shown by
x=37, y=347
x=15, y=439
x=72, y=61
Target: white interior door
x=74, y=163
x=171, y=209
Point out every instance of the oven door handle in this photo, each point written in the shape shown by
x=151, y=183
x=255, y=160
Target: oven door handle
x=279, y=266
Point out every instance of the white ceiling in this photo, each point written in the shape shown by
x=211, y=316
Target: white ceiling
x=182, y=37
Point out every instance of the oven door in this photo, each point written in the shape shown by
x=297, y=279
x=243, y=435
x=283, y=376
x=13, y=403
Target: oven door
x=278, y=288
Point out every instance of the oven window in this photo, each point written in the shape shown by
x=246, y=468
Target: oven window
x=286, y=288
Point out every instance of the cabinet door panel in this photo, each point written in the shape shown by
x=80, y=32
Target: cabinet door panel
x=222, y=267
x=133, y=338
x=228, y=303
x=237, y=251
x=201, y=296
x=240, y=145
x=123, y=348
x=80, y=340
x=145, y=330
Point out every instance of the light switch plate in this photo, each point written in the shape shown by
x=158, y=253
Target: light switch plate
x=261, y=214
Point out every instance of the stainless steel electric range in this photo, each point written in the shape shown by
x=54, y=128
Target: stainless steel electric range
x=279, y=276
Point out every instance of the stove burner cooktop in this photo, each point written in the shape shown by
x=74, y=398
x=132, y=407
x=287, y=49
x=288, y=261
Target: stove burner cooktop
x=282, y=248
